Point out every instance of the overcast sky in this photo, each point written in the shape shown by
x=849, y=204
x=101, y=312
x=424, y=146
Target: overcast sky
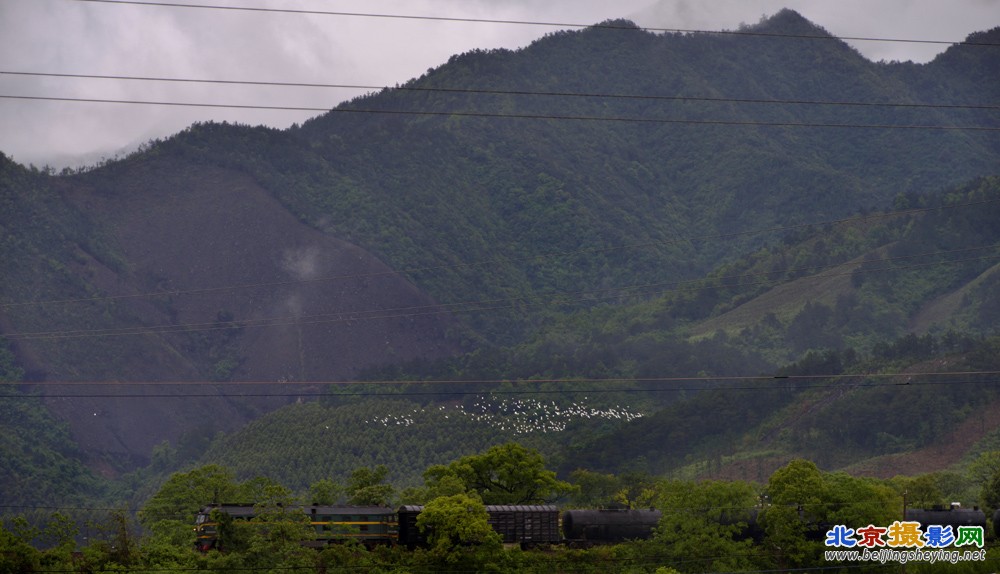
x=98, y=38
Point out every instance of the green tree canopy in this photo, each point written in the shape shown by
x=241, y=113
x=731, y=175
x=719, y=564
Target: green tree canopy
x=264, y=492
x=18, y=554
x=990, y=495
x=802, y=497
x=922, y=491
x=504, y=474
x=593, y=488
x=324, y=491
x=447, y=485
x=982, y=469
x=368, y=486
x=456, y=526
x=705, y=524
x=184, y=493
x=796, y=495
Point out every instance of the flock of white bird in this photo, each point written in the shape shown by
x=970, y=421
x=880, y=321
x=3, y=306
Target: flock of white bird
x=519, y=416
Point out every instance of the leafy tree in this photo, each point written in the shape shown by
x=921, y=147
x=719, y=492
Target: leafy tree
x=636, y=489
x=115, y=548
x=593, y=489
x=799, y=483
x=172, y=510
x=705, y=524
x=990, y=495
x=457, y=529
x=264, y=492
x=504, y=474
x=18, y=555
x=860, y=501
x=803, y=499
x=796, y=493
x=163, y=457
x=324, y=491
x=922, y=491
x=448, y=485
x=984, y=467
x=60, y=534
x=272, y=539
x=367, y=486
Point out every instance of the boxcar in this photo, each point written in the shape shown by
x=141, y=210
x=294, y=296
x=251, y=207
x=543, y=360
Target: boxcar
x=526, y=524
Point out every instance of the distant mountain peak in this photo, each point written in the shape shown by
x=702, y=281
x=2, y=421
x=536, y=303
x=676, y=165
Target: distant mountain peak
x=789, y=22
x=990, y=36
x=617, y=23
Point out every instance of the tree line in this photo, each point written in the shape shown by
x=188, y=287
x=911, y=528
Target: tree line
x=706, y=526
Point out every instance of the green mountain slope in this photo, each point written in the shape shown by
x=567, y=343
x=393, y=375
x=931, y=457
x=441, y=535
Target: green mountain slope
x=834, y=320
x=898, y=301
x=541, y=207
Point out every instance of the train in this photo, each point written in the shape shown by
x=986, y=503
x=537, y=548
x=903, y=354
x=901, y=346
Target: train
x=524, y=525
x=370, y=525
x=953, y=515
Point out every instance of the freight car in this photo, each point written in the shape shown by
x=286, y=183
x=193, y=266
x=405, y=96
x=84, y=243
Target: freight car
x=953, y=516
x=612, y=525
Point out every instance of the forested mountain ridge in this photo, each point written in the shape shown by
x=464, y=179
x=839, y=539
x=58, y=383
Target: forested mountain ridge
x=514, y=187
x=542, y=202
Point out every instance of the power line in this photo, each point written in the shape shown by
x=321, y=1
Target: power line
x=610, y=26
x=164, y=103
x=515, y=92
x=617, y=119
x=601, y=380
x=483, y=392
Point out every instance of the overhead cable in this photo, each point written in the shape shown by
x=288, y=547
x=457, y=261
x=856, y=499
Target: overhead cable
x=451, y=114
x=909, y=376
x=499, y=92
x=224, y=390
x=605, y=25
